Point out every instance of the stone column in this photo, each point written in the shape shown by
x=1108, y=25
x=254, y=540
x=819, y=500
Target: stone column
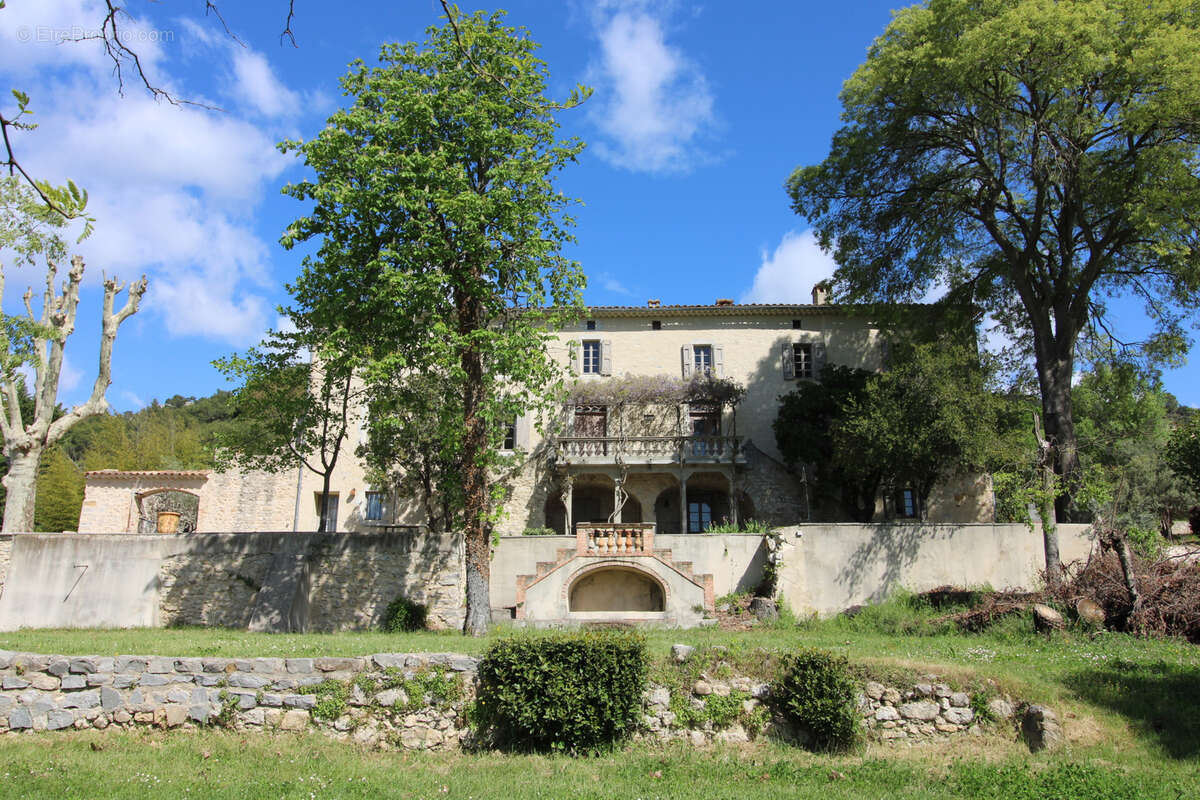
x=683, y=505
x=733, y=503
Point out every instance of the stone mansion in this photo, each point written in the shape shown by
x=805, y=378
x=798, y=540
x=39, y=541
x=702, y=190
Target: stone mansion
x=683, y=467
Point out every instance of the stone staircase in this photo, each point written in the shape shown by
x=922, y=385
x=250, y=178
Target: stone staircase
x=620, y=547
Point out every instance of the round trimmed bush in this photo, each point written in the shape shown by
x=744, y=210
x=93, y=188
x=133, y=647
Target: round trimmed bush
x=816, y=692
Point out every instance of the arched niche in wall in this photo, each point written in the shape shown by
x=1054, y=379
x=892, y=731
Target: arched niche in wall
x=616, y=588
x=185, y=504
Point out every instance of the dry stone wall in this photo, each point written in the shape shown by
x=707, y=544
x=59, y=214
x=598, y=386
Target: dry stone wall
x=372, y=700
x=405, y=701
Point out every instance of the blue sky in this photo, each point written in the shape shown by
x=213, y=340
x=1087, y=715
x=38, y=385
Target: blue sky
x=700, y=112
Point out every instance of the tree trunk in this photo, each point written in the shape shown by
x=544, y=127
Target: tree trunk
x=1046, y=510
x=21, y=484
x=474, y=475
x=321, y=521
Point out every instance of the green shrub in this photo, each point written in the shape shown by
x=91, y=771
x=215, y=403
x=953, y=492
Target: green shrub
x=404, y=615
x=574, y=692
x=331, y=698
x=1146, y=541
x=815, y=691
x=745, y=526
x=539, y=532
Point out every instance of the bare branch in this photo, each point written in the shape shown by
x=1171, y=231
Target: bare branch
x=287, y=28
x=211, y=8
x=110, y=321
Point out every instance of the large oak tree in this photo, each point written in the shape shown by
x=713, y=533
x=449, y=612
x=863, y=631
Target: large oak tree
x=1038, y=157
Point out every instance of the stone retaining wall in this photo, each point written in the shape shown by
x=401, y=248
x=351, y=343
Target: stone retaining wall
x=392, y=700
x=304, y=581
x=371, y=705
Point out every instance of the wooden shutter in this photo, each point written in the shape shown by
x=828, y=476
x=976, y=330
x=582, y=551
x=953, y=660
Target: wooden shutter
x=521, y=439
x=606, y=357
x=789, y=362
x=718, y=365
x=686, y=356
x=818, y=358
x=577, y=357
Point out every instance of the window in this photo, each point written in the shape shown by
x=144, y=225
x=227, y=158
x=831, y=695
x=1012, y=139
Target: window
x=699, y=516
x=591, y=357
x=906, y=503
x=374, y=511
x=706, y=426
x=797, y=325
x=510, y=436
x=656, y=325
x=702, y=359
x=591, y=324
x=331, y=511
x=802, y=359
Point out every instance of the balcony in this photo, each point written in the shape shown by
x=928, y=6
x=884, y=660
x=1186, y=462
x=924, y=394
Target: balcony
x=601, y=450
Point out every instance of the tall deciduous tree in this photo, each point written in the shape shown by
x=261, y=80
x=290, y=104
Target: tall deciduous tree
x=440, y=234
x=36, y=341
x=1037, y=156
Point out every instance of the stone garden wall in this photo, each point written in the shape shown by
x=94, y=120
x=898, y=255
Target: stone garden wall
x=409, y=701
x=285, y=581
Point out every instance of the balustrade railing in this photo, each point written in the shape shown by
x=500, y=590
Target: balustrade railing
x=634, y=448
x=614, y=539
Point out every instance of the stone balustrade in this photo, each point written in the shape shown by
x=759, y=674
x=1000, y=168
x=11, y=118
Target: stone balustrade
x=614, y=539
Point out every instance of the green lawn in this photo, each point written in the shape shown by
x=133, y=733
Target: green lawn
x=1129, y=707
x=224, y=765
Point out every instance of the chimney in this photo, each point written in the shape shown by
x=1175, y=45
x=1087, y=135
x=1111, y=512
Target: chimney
x=724, y=301
x=820, y=294
x=653, y=303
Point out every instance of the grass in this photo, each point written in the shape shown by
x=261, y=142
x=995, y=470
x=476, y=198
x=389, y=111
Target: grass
x=1128, y=706
x=216, y=764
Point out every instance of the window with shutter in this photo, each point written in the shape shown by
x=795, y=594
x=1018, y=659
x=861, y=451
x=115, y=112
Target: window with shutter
x=591, y=357
x=802, y=360
x=374, y=512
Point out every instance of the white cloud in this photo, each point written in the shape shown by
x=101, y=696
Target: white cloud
x=132, y=400
x=174, y=189
x=652, y=102
x=611, y=284
x=255, y=84
x=69, y=377
x=788, y=274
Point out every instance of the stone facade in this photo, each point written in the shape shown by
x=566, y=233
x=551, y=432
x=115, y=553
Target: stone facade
x=729, y=462
x=116, y=501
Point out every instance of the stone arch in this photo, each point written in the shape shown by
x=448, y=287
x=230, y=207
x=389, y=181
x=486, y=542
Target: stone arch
x=616, y=588
x=666, y=511
x=181, y=501
x=556, y=515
